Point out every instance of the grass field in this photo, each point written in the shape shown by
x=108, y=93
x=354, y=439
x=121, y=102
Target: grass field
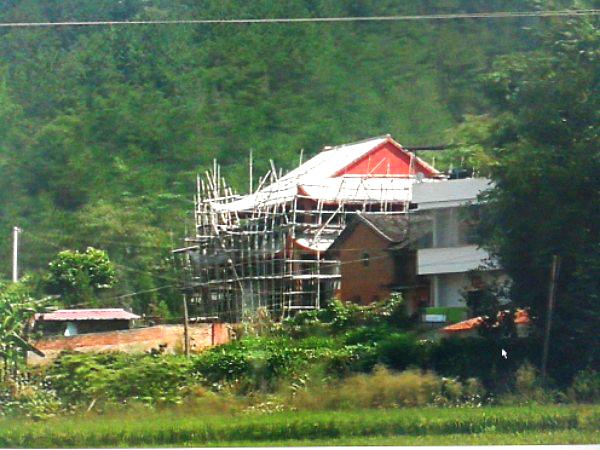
x=487, y=438
x=423, y=426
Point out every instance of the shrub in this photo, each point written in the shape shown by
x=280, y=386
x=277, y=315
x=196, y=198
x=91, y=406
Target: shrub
x=386, y=389
x=527, y=388
x=350, y=358
x=262, y=363
x=400, y=350
x=481, y=358
x=228, y=362
x=120, y=378
x=367, y=334
x=585, y=387
x=30, y=400
x=339, y=317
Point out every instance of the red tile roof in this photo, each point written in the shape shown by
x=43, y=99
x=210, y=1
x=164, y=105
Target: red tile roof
x=465, y=325
x=521, y=318
x=62, y=315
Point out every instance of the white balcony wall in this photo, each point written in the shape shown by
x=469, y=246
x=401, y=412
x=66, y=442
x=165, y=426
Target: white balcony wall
x=451, y=260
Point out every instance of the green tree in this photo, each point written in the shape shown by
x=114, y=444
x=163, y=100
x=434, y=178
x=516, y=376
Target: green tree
x=102, y=129
x=16, y=311
x=545, y=201
x=78, y=277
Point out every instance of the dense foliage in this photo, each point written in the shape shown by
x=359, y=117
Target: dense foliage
x=16, y=310
x=545, y=140
x=102, y=129
x=76, y=277
x=360, y=357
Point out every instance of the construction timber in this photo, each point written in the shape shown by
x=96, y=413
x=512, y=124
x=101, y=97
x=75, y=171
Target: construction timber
x=268, y=248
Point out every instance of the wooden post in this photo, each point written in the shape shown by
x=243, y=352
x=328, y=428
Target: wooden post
x=551, y=296
x=15, y=266
x=250, y=163
x=186, y=332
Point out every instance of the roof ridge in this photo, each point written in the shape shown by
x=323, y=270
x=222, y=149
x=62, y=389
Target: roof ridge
x=362, y=141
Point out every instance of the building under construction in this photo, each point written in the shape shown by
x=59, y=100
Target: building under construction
x=268, y=248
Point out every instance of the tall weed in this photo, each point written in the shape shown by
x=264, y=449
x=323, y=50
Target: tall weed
x=386, y=389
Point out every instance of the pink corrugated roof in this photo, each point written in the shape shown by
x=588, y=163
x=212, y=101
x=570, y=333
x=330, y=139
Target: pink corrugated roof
x=86, y=314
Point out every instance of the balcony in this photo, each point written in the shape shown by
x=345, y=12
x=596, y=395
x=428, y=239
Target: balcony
x=433, y=261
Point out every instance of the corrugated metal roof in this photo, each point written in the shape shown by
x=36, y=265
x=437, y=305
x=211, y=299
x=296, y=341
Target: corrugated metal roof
x=327, y=163
x=317, y=177
x=63, y=315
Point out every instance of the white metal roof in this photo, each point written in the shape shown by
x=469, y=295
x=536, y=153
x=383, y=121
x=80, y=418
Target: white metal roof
x=326, y=163
x=315, y=178
x=356, y=189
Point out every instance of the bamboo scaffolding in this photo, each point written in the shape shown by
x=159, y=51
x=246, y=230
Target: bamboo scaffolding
x=248, y=258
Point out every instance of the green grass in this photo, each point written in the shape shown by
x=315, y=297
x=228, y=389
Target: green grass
x=487, y=438
x=194, y=427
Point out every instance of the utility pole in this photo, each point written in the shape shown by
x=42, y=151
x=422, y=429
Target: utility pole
x=551, y=296
x=15, y=268
x=186, y=332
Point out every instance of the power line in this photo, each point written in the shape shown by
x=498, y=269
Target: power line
x=133, y=294
x=393, y=18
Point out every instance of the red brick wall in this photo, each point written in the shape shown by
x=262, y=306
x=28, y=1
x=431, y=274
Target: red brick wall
x=360, y=283
x=136, y=340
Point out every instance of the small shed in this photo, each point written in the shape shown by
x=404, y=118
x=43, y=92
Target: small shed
x=70, y=322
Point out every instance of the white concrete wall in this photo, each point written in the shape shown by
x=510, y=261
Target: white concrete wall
x=450, y=288
x=450, y=260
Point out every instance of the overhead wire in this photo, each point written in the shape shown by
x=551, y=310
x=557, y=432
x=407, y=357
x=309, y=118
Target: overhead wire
x=279, y=20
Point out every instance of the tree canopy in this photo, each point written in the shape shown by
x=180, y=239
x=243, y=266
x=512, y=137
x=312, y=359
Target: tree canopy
x=545, y=139
x=102, y=129
x=78, y=276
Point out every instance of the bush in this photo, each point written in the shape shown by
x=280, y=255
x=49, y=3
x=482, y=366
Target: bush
x=228, y=362
x=385, y=389
x=367, y=334
x=262, y=363
x=121, y=378
x=31, y=400
x=339, y=317
x=481, y=358
x=585, y=387
x=350, y=358
x=400, y=350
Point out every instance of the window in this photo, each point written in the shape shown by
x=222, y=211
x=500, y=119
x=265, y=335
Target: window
x=365, y=259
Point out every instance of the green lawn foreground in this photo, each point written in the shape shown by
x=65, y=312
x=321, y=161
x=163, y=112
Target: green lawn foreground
x=565, y=437
x=419, y=426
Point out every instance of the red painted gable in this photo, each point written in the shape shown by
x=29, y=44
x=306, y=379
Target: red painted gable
x=386, y=159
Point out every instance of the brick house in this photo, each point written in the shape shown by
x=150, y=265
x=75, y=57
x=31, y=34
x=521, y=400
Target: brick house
x=428, y=254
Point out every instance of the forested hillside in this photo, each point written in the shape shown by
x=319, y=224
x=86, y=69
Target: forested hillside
x=102, y=129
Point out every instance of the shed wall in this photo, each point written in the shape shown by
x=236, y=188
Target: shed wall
x=137, y=340
x=365, y=283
